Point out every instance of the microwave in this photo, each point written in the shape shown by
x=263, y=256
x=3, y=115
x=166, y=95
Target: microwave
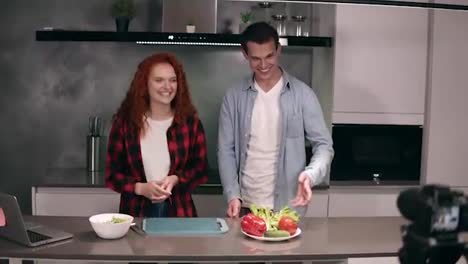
x=390, y=153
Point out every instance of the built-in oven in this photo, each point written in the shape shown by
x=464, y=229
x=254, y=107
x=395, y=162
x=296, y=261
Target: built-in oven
x=376, y=153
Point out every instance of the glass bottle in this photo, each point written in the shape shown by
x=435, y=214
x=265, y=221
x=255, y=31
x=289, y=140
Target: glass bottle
x=279, y=22
x=266, y=11
x=299, y=22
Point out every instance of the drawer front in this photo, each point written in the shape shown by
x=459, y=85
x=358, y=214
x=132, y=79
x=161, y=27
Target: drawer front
x=363, y=205
x=75, y=203
x=318, y=206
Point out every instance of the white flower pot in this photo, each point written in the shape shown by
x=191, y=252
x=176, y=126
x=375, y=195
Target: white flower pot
x=190, y=28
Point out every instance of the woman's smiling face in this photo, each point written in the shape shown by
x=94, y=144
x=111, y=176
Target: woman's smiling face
x=162, y=84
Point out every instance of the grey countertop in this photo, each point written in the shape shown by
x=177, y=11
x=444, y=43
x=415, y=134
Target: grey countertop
x=81, y=177
x=321, y=238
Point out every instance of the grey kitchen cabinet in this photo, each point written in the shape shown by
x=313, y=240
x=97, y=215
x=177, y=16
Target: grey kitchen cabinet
x=209, y=205
x=335, y=202
x=379, y=260
x=318, y=206
x=445, y=150
x=73, y=201
x=363, y=201
x=380, y=65
x=86, y=201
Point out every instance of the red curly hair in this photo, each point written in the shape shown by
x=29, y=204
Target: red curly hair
x=137, y=101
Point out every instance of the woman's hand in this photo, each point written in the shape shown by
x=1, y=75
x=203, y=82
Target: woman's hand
x=152, y=191
x=168, y=182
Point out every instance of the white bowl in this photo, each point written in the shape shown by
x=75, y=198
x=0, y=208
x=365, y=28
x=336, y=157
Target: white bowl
x=104, y=228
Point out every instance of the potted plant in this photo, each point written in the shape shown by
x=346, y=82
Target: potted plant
x=246, y=19
x=122, y=11
x=190, y=27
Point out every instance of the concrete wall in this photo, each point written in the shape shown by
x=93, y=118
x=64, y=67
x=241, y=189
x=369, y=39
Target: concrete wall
x=49, y=89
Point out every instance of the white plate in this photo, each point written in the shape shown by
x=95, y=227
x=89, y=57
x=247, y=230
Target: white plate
x=298, y=232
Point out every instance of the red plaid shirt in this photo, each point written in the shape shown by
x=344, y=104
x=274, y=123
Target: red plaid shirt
x=124, y=166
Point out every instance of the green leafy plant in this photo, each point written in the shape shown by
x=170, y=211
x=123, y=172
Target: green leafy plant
x=246, y=17
x=123, y=8
x=190, y=22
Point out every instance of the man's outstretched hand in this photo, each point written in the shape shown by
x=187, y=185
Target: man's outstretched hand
x=304, y=191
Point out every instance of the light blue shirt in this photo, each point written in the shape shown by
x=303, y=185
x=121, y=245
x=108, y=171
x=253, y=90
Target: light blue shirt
x=301, y=119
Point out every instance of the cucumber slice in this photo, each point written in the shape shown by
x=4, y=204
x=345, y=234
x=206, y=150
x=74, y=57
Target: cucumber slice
x=276, y=233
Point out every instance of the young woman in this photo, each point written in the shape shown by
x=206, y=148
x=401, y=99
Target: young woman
x=156, y=153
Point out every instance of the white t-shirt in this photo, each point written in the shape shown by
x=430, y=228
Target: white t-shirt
x=259, y=174
x=154, y=149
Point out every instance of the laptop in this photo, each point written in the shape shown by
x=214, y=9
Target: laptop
x=26, y=233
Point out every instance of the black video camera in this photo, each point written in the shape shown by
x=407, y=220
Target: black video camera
x=438, y=215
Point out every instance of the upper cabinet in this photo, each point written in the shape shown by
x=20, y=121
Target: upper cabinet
x=380, y=66
x=446, y=148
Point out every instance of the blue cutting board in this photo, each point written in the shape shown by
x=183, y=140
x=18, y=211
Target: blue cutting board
x=184, y=226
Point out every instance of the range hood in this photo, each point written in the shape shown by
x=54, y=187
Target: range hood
x=165, y=38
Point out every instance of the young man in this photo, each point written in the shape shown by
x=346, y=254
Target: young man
x=263, y=124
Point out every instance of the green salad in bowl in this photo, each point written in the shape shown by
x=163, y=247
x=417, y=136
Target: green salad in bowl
x=111, y=225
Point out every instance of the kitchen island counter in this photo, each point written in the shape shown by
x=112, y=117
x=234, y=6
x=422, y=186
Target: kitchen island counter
x=321, y=239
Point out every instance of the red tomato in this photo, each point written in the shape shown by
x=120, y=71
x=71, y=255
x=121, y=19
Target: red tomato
x=287, y=223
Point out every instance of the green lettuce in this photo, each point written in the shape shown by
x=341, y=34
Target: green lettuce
x=272, y=218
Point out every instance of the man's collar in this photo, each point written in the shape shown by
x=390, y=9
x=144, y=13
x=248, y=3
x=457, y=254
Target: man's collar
x=251, y=81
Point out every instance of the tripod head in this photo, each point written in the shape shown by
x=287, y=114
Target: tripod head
x=438, y=215
x=419, y=249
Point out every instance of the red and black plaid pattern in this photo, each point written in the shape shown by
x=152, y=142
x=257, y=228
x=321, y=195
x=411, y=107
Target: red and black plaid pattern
x=124, y=166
